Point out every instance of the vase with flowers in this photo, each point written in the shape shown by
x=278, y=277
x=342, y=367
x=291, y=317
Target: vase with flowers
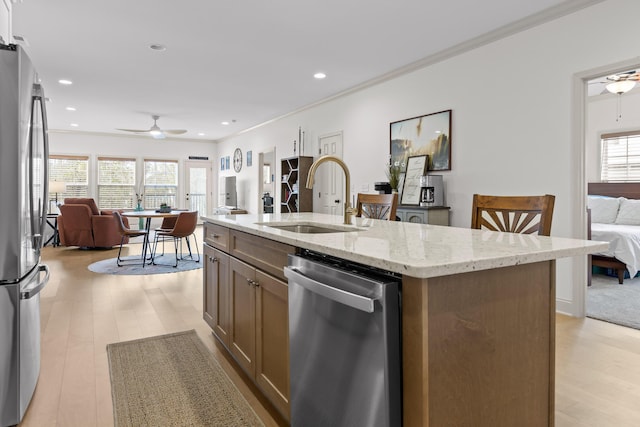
x=139, y=196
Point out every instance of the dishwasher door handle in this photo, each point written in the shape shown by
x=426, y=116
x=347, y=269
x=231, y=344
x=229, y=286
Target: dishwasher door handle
x=356, y=301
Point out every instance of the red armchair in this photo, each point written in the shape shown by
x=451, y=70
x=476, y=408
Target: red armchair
x=80, y=223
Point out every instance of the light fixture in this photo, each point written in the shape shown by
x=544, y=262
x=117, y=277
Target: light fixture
x=56, y=187
x=201, y=133
x=74, y=125
x=319, y=76
x=70, y=108
x=225, y=123
x=620, y=86
x=65, y=82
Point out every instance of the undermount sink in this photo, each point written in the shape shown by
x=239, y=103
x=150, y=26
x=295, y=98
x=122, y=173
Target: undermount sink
x=308, y=228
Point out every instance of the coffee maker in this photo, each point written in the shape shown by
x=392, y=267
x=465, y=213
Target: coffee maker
x=431, y=190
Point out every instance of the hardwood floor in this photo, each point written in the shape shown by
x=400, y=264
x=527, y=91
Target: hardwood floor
x=597, y=364
x=82, y=312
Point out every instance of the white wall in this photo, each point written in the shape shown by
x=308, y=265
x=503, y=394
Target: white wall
x=138, y=147
x=5, y=21
x=601, y=118
x=511, y=103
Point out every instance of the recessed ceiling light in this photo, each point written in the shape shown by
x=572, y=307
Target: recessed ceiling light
x=158, y=47
x=70, y=108
x=225, y=123
x=200, y=133
x=65, y=82
x=74, y=125
x=319, y=76
x=438, y=131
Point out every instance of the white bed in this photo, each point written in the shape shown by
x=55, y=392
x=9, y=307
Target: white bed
x=624, y=243
x=614, y=212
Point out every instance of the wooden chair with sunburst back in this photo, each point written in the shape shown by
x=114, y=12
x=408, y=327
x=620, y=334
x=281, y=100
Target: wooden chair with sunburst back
x=377, y=206
x=513, y=214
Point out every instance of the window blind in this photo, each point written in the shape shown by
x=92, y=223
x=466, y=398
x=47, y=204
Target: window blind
x=620, y=157
x=116, y=183
x=73, y=171
x=160, y=183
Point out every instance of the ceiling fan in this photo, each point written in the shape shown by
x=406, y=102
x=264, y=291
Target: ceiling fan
x=155, y=130
x=617, y=83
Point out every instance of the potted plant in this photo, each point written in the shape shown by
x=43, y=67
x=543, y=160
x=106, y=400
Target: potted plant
x=393, y=175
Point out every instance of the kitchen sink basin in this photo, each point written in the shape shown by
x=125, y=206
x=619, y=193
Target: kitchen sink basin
x=308, y=228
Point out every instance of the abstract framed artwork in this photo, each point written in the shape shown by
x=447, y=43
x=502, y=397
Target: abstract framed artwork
x=423, y=135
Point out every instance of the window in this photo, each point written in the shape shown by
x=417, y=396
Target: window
x=116, y=183
x=160, y=183
x=73, y=171
x=620, y=157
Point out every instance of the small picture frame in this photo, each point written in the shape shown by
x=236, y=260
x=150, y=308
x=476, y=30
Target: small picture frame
x=227, y=162
x=249, y=158
x=416, y=167
x=221, y=163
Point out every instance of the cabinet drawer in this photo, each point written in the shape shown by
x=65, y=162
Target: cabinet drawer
x=265, y=254
x=217, y=236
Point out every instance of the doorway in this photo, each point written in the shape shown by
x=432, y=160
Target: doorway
x=266, y=177
x=330, y=178
x=581, y=153
x=197, y=186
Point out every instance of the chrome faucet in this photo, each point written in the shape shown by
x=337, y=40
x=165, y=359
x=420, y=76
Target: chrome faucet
x=348, y=210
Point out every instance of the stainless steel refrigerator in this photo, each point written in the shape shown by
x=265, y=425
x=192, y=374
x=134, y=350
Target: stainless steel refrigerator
x=23, y=204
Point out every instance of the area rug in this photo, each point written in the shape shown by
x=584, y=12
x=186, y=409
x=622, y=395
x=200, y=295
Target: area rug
x=614, y=303
x=164, y=264
x=173, y=380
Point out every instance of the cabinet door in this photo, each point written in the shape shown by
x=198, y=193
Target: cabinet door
x=216, y=306
x=415, y=216
x=272, y=340
x=243, y=315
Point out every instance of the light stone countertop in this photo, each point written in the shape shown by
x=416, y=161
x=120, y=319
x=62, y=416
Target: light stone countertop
x=415, y=250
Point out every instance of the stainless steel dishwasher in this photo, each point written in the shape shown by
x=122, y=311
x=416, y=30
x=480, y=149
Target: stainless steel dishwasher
x=344, y=341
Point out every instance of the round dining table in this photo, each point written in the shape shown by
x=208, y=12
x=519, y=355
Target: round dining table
x=149, y=215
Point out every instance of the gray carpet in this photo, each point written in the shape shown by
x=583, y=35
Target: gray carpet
x=614, y=303
x=173, y=380
x=164, y=265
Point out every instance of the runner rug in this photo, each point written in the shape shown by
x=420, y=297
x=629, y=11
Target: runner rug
x=173, y=380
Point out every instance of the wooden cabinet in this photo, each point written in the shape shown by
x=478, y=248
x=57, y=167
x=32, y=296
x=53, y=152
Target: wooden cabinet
x=424, y=215
x=246, y=305
x=243, y=315
x=294, y=195
x=216, y=307
x=272, y=340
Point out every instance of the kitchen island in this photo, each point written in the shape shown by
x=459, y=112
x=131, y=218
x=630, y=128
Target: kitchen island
x=478, y=309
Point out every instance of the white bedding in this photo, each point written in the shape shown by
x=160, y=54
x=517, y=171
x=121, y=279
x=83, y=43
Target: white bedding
x=624, y=243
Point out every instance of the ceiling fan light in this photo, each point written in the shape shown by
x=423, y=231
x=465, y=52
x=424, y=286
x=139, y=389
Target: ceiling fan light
x=621, y=86
x=155, y=132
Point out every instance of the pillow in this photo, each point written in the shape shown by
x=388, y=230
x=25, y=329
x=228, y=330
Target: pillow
x=603, y=209
x=629, y=213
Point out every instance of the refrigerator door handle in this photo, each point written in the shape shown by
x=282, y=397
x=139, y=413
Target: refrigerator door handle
x=34, y=290
x=356, y=301
x=38, y=98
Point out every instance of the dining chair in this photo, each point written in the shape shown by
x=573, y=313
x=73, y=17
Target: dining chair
x=377, y=206
x=184, y=228
x=126, y=232
x=513, y=214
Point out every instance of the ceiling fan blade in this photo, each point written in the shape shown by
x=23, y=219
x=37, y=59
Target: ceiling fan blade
x=134, y=130
x=174, y=131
